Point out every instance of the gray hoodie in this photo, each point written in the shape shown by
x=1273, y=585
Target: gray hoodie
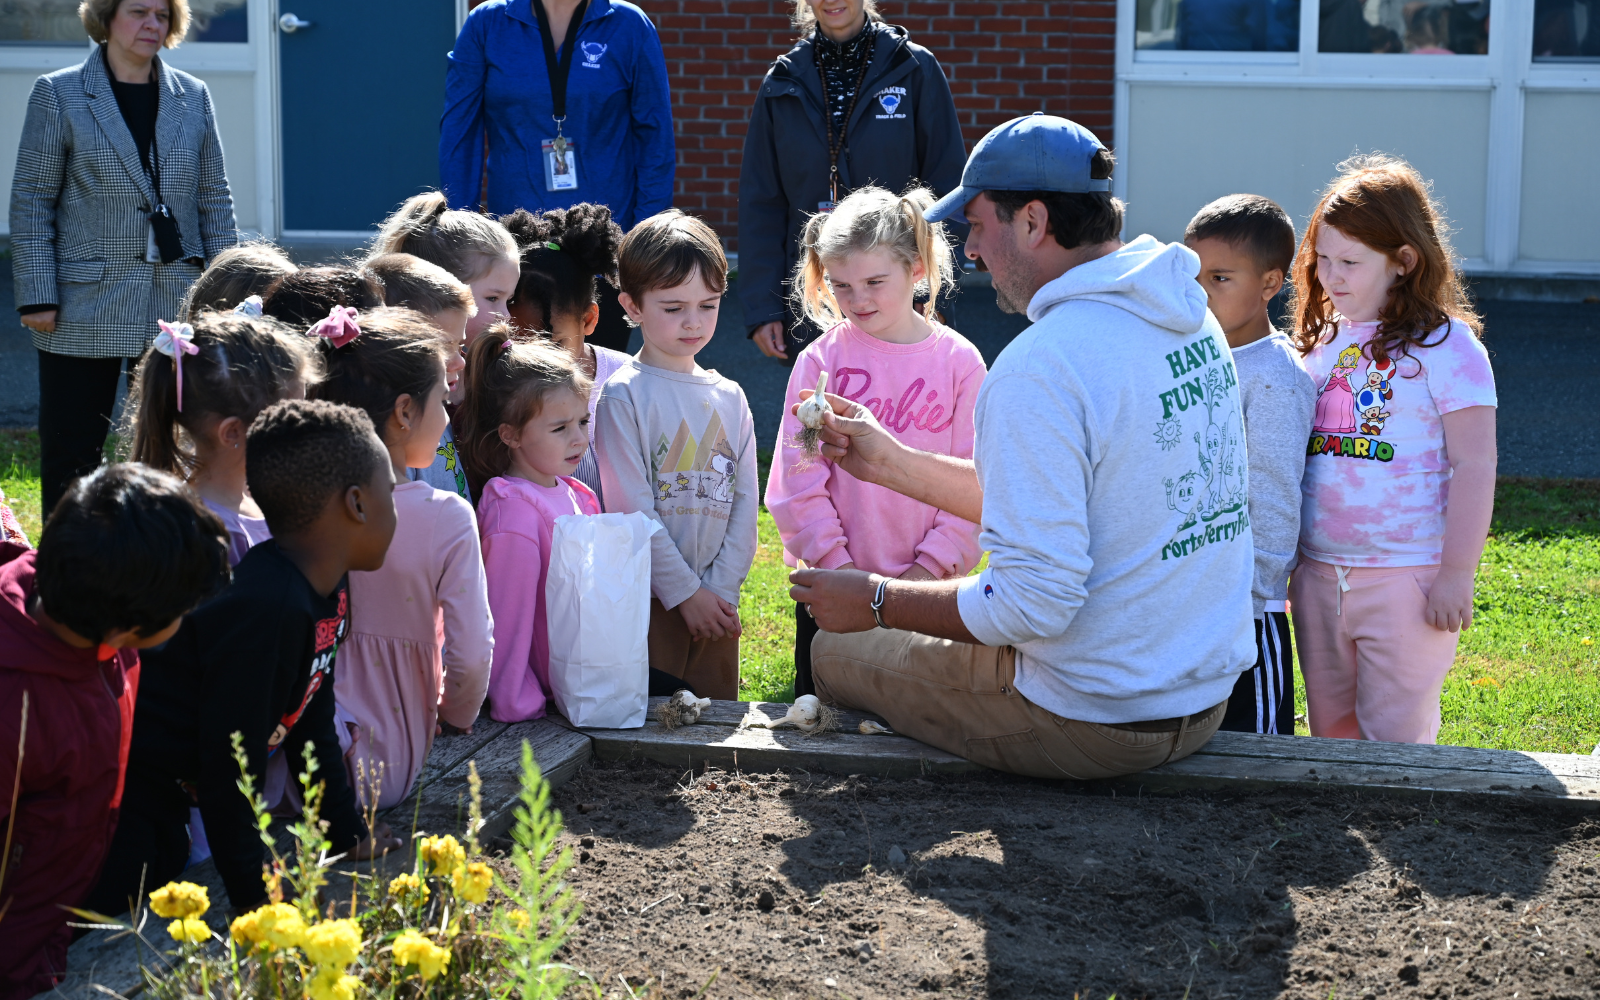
x=1110, y=447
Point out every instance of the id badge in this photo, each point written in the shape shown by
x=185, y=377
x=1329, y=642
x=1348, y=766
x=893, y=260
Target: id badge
x=826, y=206
x=560, y=165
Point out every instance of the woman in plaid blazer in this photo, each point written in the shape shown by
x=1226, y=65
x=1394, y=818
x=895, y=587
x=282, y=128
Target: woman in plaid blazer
x=104, y=145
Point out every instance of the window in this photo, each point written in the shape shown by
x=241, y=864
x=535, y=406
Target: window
x=1566, y=31
x=1218, y=25
x=1421, y=27
x=55, y=22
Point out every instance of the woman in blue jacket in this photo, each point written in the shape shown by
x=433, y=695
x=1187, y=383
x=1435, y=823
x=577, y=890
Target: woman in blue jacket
x=597, y=66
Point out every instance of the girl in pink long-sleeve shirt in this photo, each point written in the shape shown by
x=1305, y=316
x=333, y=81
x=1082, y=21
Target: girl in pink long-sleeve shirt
x=861, y=268
x=420, y=637
x=525, y=427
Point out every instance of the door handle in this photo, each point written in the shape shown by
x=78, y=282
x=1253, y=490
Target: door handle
x=289, y=24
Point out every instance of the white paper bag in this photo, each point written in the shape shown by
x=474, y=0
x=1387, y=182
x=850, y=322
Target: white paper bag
x=597, y=601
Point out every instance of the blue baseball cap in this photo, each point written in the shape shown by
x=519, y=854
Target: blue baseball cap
x=1039, y=152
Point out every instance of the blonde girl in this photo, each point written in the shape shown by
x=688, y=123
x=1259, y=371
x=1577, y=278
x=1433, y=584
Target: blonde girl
x=476, y=249
x=481, y=254
x=1399, y=480
x=526, y=427
x=862, y=266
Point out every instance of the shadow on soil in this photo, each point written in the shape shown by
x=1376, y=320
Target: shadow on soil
x=1003, y=887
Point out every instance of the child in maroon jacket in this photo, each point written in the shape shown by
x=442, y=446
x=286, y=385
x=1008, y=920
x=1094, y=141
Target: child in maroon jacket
x=127, y=552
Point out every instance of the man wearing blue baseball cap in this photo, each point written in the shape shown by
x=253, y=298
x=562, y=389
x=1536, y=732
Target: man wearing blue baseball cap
x=1114, y=616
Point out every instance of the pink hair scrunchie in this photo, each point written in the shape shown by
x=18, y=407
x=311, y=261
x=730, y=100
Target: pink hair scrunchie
x=340, y=327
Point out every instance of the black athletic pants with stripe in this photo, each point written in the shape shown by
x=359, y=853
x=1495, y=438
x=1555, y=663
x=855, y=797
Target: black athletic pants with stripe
x=1263, y=697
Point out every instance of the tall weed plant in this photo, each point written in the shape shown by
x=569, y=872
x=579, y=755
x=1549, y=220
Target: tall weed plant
x=430, y=932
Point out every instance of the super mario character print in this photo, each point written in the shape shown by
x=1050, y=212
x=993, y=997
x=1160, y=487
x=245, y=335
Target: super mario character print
x=694, y=477
x=1200, y=412
x=329, y=633
x=1352, y=409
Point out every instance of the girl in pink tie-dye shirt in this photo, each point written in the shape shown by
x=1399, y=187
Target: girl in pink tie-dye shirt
x=1399, y=480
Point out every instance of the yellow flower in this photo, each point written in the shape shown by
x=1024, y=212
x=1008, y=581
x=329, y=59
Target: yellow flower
x=1586, y=641
x=331, y=984
x=406, y=886
x=180, y=899
x=472, y=882
x=189, y=930
x=1485, y=682
x=332, y=944
x=442, y=855
x=411, y=948
x=518, y=919
x=276, y=926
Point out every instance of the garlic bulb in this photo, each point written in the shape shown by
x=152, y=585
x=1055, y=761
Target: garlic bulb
x=809, y=715
x=682, y=709
x=811, y=413
x=868, y=727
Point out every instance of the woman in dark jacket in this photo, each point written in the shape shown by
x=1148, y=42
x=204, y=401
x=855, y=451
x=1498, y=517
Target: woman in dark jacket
x=118, y=201
x=855, y=102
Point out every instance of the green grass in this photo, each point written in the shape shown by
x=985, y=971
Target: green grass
x=1527, y=676
x=19, y=477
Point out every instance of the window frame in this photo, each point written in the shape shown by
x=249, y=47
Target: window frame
x=1507, y=72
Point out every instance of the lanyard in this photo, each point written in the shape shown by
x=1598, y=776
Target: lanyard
x=836, y=143
x=560, y=69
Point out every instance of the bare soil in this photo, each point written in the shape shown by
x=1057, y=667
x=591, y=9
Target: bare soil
x=794, y=885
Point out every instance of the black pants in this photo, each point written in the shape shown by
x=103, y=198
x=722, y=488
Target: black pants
x=1263, y=696
x=77, y=397
x=613, y=330
x=805, y=630
x=150, y=847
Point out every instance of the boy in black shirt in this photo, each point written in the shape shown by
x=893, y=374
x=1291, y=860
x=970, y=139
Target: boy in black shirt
x=258, y=660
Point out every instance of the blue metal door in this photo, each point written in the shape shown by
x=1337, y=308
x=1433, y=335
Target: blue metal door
x=362, y=85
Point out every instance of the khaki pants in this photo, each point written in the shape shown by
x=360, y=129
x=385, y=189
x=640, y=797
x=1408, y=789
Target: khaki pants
x=960, y=698
x=708, y=667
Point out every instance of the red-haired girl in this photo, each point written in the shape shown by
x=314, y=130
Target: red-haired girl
x=1397, y=502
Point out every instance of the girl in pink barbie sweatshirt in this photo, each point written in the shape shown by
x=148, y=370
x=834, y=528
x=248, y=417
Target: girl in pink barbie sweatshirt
x=525, y=428
x=420, y=636
x=861, y=268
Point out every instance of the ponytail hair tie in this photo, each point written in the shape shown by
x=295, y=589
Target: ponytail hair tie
x=506, y=345
x=249, y=307
x=175, y=340
x=339, y=328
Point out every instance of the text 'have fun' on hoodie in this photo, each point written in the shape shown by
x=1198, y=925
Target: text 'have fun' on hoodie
x=1110, y=447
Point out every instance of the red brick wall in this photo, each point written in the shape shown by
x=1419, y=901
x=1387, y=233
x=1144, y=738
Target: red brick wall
x=1004, y=58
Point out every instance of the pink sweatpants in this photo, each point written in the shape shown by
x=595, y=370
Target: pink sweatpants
x=1373, y=667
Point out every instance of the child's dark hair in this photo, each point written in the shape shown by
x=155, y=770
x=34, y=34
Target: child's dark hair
x=398, y=353
x=303, y=452
x=234, y=275
x=563, y=252
x=244, y=364
x=508, y=382
x=129, y=547
x=304, y=297
x=1382, y=202
x=419, y=284
x=464, y=243
x=1257, y=225
x=666, y=250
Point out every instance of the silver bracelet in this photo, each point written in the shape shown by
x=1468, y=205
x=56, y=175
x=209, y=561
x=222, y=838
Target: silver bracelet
x=877, y=602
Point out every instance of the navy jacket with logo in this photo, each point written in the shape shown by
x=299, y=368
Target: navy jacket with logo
x=904, y=128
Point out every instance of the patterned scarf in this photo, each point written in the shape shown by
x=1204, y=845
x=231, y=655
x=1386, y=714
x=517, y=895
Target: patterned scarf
x=840, y=64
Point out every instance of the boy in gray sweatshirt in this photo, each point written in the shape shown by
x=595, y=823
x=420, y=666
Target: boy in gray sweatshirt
x=1246, y=243
x=677, y=442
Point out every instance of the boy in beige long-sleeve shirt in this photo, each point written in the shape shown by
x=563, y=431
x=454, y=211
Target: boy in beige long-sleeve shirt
x=677, y=442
